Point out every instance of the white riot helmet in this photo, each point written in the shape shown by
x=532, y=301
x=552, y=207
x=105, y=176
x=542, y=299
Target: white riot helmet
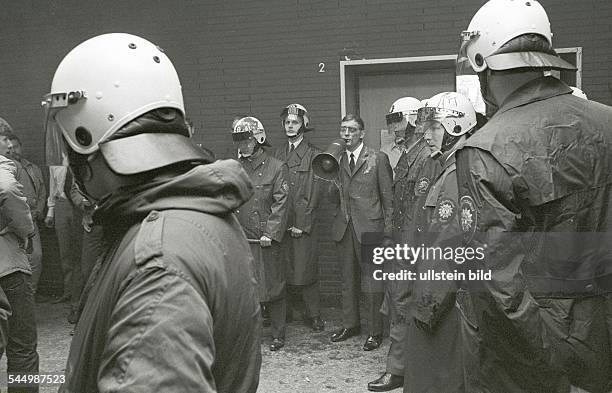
x=405, y=107
x=485, y=42
x=248, y=127
x=103, y=84
x=293, y=111
x=453, y=111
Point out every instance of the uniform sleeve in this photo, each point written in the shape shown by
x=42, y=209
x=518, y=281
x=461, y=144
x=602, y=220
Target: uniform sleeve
x=385, y=189
x=41, y=191
x=489, y=213
x=159, y=318
x=13, y=206
x=304, y=216
x=277, y=220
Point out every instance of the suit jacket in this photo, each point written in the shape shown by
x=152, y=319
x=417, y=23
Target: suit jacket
x=365, y=195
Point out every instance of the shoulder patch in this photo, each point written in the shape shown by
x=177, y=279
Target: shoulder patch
x=421, y=186
x=446, y=210
x=285, y=186
x=469, y=214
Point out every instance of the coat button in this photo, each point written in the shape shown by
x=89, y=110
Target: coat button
x=153, y=216
x=589, y=287
x=260, y=174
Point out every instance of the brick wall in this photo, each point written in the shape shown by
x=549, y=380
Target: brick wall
x=240, y=56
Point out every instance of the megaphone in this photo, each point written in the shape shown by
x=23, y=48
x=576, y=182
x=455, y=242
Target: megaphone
x=326, y=165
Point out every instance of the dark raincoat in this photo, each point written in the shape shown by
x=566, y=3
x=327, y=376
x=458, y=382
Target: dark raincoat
x=434, y=363
x=172, y=304
x=266, y=214
x=534, y=186
x=305, y=190
x=414, y=174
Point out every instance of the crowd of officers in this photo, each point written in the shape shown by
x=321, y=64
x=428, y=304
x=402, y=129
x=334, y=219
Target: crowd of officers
x=190, y=250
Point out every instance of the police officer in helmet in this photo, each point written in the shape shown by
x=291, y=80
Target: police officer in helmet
x=533, y=187
x=116, y=110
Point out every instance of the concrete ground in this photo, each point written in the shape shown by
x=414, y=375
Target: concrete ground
x=309, y=363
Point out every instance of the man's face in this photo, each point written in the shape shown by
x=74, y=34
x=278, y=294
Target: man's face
x=292, y=125
x=16, y=150
x=6, y=146
x=351, y=133
x=246, y=147
x=434, y=134
x=400, y=131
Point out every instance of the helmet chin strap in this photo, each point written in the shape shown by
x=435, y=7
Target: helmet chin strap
x=487, y=95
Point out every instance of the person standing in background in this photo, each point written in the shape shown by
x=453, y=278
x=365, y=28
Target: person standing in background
x=264, y=220
x=300, y=247
x=363, y=193
x=66, y=220
x=16, y=229
x=30, y=177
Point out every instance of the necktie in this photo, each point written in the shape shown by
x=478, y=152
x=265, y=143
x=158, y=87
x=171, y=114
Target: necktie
x=291, y=147
x=352, y=162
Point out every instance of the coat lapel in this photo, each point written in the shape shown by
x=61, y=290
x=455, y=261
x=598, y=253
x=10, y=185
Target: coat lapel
x=365, y=152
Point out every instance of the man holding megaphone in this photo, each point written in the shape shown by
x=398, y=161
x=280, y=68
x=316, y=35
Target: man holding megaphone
x=363, y=190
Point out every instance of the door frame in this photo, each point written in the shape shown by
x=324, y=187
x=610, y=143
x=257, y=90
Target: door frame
x=351, y=69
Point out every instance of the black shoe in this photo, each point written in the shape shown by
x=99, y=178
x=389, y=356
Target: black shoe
x=386, y=382
x=317, y=325
x=345, y=333
x=372, y=342
x=277, y=344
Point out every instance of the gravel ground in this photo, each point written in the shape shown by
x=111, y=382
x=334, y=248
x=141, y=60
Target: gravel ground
x=309, y=362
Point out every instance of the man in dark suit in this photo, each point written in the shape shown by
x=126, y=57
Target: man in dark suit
x=364, y=187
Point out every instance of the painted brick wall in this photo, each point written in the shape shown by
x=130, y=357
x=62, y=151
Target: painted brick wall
x=241, y=56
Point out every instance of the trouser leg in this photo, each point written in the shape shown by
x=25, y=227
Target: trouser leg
x=312, y=300
x=395, y=358
x=36, y=258
x=278, y=314
x=22, y=357
x=350, y=280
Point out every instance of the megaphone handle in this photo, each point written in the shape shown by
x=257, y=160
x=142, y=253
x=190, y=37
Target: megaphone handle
x=343, y=208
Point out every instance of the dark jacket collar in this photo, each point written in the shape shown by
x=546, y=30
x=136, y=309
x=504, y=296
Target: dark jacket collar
x=535, y=90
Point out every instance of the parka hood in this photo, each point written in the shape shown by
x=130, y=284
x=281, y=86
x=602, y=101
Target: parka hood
x=217, y=188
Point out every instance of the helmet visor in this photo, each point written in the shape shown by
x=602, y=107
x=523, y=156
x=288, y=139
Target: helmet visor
x=463, y=65
x=55, y=146
x=435, y=114
x=397, y=117
x=394, y=117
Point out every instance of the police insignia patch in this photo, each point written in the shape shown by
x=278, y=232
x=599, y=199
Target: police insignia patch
x=422, y=186
x=469, y=214
x=446, y=210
